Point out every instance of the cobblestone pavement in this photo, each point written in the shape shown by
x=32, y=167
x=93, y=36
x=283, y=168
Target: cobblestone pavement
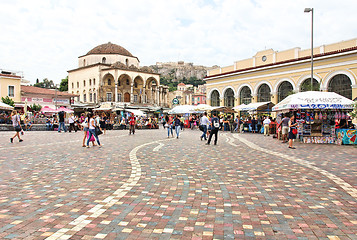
x=148, y=186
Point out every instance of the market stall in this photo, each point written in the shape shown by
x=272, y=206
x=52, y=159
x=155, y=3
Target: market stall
x=317, y=114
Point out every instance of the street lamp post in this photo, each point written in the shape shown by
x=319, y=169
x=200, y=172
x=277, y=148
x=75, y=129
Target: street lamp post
x=56, y=96
x=312, y=44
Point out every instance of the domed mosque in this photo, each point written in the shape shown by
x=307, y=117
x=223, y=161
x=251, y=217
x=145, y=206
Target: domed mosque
x=110, y=75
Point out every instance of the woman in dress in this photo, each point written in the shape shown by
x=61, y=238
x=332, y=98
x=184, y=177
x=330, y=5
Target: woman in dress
x=292, y=131
x=102, y=123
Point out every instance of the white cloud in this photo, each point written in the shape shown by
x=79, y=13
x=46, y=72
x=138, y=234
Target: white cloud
x=43, y=38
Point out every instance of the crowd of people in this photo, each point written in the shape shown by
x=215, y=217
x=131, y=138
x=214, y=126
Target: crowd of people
x=284, y=127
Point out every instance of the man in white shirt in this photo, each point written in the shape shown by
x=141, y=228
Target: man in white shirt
x=266, y=123
x=204, y=123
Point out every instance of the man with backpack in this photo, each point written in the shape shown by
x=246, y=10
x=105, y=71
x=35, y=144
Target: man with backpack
x=215, y=127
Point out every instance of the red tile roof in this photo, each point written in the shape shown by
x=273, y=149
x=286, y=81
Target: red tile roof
x=44, y=91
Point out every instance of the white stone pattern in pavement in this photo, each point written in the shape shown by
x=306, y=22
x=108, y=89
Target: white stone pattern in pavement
x=85, y=219
x=340, y=182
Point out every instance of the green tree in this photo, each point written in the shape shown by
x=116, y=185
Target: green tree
x=64, y=85
x=354, y=112
x=306, y=86
x=36, y=107
x=45, y=84
x=8, y=101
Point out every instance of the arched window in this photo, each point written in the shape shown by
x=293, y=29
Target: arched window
x=90, y=82
x=245, y=95
x=94, y=97
x=109, y=81
x=119, y=83
x=104, y=60
x=93, y=81
x=84, y=62
x=229, y=98
x=264, y=93
x=135, y=84
x=285, y=88
x=72, y=85
x=84, y=83
x=77, y=84
x=341, y=84
x=306, y=85
x=215, y=98
x=127, y=81
x=119, y=97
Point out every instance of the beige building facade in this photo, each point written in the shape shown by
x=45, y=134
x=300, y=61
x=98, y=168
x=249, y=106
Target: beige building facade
x=109, y=73
x=10, y=85
x=271, y=75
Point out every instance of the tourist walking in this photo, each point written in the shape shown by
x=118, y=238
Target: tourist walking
x=177, y=123
x=71, y=122
x=285, y=128
x=236, y=124
x=102, y=123
x=61, y=122
x=168, y=124
x=91, y=129
x=132, y=122
x=204, y=123
x=84, y=125
x=215, y=125
x=266, y=123
x=292, y=131
x=16, y=123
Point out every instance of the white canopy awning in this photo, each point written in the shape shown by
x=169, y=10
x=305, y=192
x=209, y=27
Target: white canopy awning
x=203, y=107
x=314, y=100
x=136, y=112
x=259, y=106
x=102, y=109
x=182, y=109
x=4, y=106
x=239, y=107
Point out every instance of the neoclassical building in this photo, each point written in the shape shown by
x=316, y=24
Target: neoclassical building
x=110, y=73
x=271, y=75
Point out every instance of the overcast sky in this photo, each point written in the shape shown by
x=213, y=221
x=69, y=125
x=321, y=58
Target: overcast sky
x=44, y=38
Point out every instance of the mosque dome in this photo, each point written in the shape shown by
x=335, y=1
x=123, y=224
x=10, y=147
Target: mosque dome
x=110, y=48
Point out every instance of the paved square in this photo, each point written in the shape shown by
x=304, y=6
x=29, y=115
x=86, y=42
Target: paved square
x=148, y=186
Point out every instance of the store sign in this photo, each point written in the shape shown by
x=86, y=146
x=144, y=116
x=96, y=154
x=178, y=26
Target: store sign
x=61, y=101
x=37, y=99
x=322, y=100
x=175, y=101
x=324, y=106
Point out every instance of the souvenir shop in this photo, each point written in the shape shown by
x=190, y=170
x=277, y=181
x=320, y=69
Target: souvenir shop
x=318, y=125
x=317, y=114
